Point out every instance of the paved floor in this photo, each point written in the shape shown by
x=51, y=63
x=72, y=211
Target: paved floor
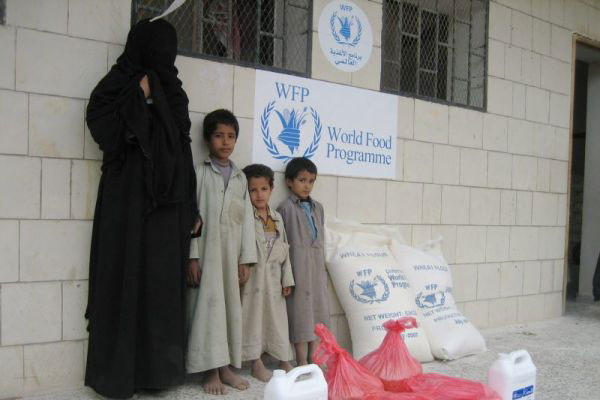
x=565, y=350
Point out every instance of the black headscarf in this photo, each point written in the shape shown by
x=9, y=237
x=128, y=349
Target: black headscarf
x=150, y=50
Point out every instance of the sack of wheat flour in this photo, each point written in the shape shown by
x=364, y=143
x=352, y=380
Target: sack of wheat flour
x=450, y=334
x=371, y=286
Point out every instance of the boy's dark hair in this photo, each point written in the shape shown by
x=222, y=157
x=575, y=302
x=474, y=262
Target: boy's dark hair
x=259, y=171
x=297, y=165
x=220, y=116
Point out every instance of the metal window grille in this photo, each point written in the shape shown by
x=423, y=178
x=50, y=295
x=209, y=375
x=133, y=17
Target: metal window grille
x=436, y=50
x=269, y=34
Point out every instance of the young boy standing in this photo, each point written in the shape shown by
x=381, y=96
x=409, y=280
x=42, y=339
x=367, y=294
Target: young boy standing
x=219, y=260
x=303, y=218
x=264, y=311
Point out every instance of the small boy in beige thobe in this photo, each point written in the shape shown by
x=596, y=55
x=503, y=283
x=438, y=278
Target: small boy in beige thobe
x=264, y=311
x=303, y=218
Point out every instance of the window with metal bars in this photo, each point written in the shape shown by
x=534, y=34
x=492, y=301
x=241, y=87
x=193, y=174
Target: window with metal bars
x=436, y=50
x=269, y=34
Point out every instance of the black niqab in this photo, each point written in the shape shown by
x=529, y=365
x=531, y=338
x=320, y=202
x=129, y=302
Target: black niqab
x=144, y=213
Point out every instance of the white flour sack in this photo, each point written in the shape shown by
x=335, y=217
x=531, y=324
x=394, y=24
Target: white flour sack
x=450, y=334
x=371, y=287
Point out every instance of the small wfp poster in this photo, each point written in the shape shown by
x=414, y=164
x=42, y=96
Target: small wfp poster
x=345, y=131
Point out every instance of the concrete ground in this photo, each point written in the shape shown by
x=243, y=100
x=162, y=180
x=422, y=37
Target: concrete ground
x=565, y=350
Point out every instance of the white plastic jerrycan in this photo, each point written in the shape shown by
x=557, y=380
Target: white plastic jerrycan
x=284, y=386
x=512, y=376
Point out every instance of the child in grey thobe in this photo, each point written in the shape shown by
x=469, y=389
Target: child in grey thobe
x=308, y=304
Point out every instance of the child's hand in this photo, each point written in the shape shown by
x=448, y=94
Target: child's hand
x=194, y=273
x=197, y=227
x=286, y=291
x=145, y=85
x=243, y=273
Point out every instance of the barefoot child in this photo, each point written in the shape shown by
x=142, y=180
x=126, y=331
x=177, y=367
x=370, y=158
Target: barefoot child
x=264, y=312
x=219, y=260
x=303, y=218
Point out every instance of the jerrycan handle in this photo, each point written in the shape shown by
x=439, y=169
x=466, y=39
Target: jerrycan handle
x=312, y=369
x=519, y=357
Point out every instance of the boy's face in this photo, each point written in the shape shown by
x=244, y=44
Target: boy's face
x=222, y=142
x=302, y=184
x=260, y=192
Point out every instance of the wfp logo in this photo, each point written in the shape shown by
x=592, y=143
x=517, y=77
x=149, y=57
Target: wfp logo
x=289, y=126
x=346, y=29
x=370, y=291
x=430, y=299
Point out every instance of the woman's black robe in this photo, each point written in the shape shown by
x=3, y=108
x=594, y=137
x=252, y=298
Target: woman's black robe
x=144, y=213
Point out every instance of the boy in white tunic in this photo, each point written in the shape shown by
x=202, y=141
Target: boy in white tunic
x=219, y=260
x=264, y=311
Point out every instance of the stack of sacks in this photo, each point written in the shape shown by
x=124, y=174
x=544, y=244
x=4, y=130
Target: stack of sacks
x=386, y=375
x=378, y=277
x=371, y=286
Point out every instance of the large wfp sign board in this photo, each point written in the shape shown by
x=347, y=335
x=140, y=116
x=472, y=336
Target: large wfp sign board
x=344, y=130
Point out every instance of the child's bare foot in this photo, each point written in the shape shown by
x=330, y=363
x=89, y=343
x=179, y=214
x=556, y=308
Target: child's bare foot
x=212, y=383
x=286, y=366
x=232, y=379
x=260, y=372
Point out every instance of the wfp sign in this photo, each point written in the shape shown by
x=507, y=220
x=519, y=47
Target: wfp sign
x=345, y=35
x=344, y=130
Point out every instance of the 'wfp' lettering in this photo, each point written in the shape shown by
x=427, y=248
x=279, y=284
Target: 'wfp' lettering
x=364, y=272
x=291, y=91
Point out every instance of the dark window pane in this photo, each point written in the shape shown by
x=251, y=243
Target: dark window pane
x=2, y=11
x=410, y=18
x=427, y=84
x=442, y=76
x=444, y=21
x=428, y=40
x=390, y=76
x=391, y=31
x=409, y=65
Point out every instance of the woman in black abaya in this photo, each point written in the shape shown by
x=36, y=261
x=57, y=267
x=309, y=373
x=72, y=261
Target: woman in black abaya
x=144, y=214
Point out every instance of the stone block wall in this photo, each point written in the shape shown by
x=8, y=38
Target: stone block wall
x=493, y=184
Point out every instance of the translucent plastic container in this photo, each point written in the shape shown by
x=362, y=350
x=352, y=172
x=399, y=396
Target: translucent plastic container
x=512, y=376
x=284, y=386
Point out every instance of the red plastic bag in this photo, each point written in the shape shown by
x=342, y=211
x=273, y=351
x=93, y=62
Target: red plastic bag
x=391, y=361
x=398, y=396
x=346, y=379
x=442, y=387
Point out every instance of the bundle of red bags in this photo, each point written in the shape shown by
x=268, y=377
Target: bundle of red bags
x=389, y=372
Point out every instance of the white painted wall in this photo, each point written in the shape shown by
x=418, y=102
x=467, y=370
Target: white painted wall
x=590, y=232
x=492, y=183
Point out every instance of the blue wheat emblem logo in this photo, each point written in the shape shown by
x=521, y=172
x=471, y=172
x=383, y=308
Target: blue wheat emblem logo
x=430, y=299
x=370, y=291
x=346, y=30
x=292, y=120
